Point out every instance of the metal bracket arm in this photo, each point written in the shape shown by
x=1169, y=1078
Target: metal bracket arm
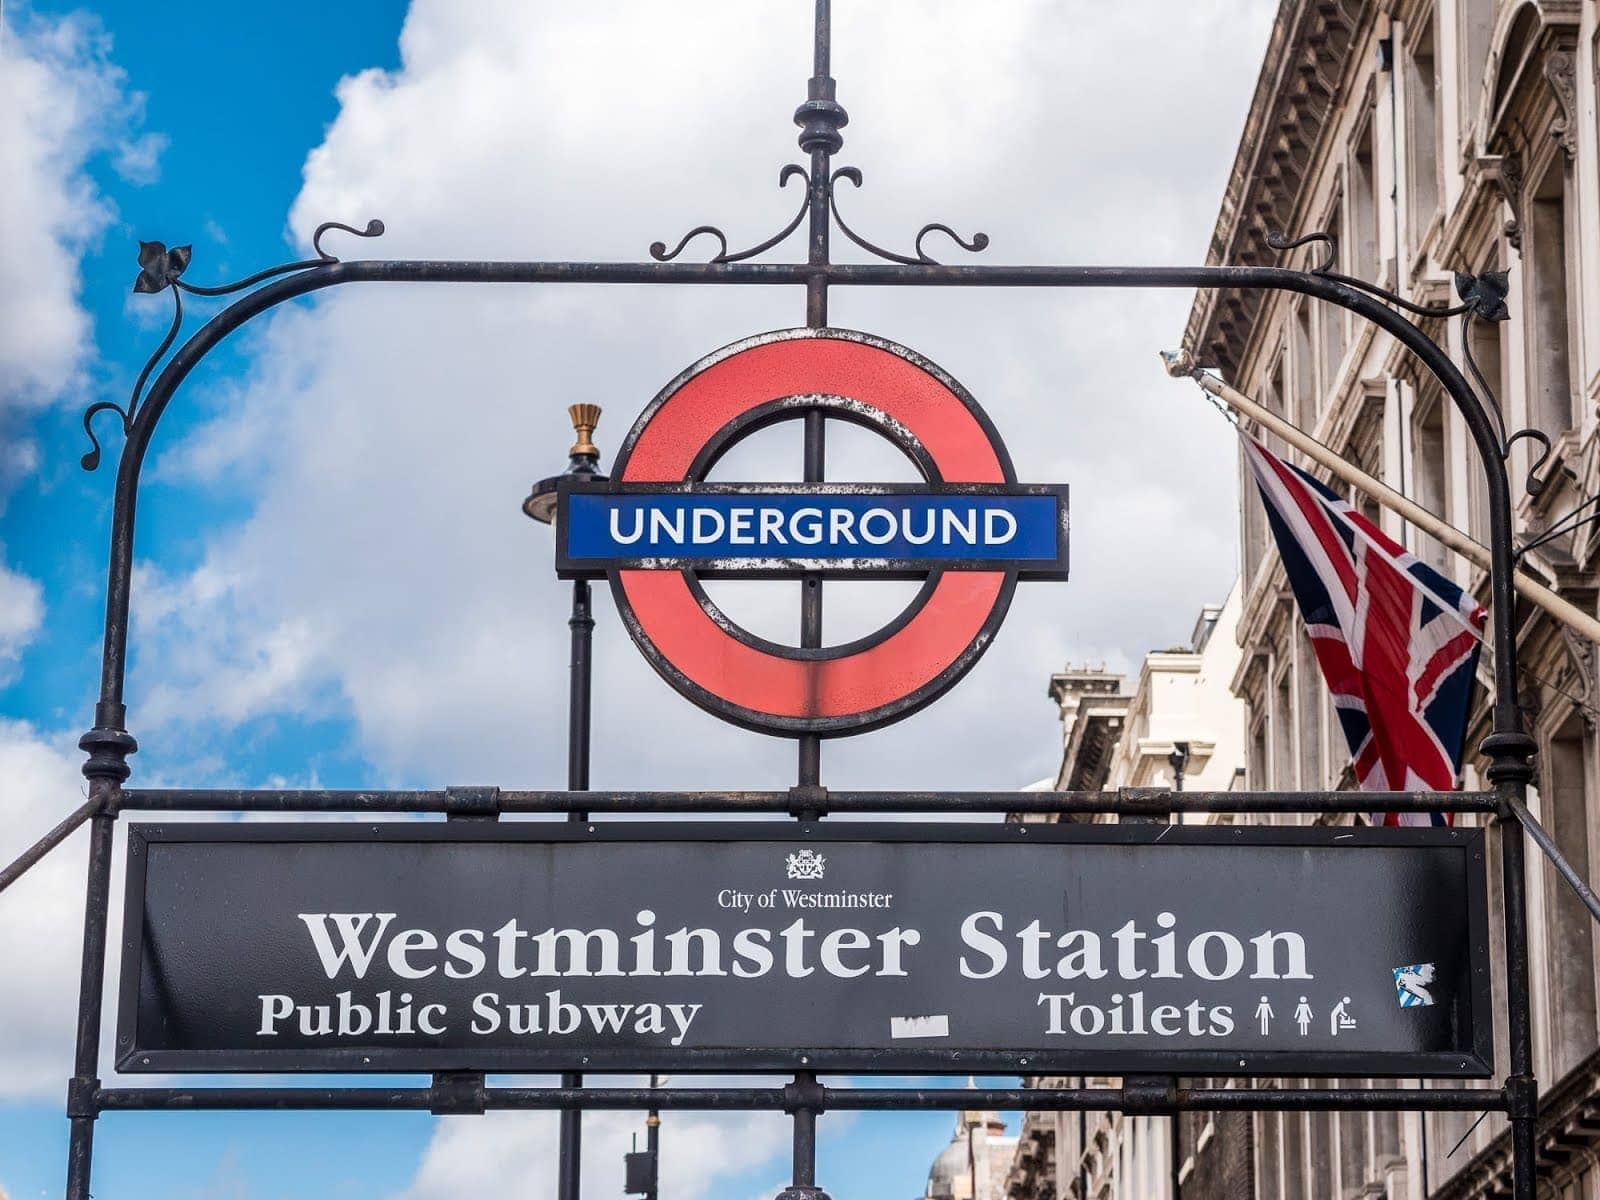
x=458, y=1093
x=83, y=1092
x=1522, y=1097
x=808, y=802
x=805, y=1094
x=1149, y=1095
x=1146, y=802
x=1516, y=811
x=480, y=803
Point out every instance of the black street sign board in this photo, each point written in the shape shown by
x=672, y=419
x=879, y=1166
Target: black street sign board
x=538, y=946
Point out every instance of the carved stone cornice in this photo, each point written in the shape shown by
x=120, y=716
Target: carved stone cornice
x=1504, y=173
x=1301, y=90
x=1561, y=71
x=1476, y=220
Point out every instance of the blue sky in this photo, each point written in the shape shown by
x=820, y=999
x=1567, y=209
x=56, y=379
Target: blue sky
x=335, y=584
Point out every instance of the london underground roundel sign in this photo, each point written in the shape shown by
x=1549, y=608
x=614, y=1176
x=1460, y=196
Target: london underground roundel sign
x=969, y=531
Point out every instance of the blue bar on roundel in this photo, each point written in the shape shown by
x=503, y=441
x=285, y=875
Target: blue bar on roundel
x=836, y=527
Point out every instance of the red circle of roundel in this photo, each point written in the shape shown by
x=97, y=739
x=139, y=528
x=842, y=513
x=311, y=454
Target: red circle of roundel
x=873, y=682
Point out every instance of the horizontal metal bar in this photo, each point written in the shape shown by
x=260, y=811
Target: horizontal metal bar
x=291, y=801
x=209, y=1099
x=865, y=1099
x=1186, y=1099
x=834, y=274
x=1132, y=801
x=639, y=1098
x=1339, y=1099
x=362, y=1098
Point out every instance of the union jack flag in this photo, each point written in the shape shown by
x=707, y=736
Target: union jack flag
x=1397, y=642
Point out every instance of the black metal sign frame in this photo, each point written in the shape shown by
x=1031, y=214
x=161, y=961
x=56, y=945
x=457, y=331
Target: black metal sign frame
x=1472, y=1021
x=109, y=744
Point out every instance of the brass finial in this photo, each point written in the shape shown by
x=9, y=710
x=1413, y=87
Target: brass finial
x=584, y=419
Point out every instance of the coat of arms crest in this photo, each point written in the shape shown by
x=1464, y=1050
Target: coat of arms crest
x=806, y=864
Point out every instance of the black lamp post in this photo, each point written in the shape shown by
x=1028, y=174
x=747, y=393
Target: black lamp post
x=1179, y=758
x=642, y=1168
x=584, y=463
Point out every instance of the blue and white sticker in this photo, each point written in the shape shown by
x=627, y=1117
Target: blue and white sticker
x=1411, y=985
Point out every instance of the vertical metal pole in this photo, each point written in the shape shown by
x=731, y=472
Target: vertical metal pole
x=804, y=1100
x=1175, y=1144
x=1522, y=1091
x=1510, y=750
x=805, y=1148
x=1083, y=1146
x=652, y=1145
x=581, y=623
x=810, y=753
x=108, y=745
x=1422, y=1124
x=569, y=1170
x=820, y=119
x=81, y=1106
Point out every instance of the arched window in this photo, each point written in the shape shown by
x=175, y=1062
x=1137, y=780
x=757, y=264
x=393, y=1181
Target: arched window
x=1474, y=23
x=1551, y=344
x=1422, y=134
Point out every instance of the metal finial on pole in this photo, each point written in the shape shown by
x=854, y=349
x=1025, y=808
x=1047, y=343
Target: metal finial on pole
x=583, y=461
x=585, y=419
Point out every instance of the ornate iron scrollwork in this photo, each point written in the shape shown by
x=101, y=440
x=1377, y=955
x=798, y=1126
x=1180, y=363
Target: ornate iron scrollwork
x=374, y=229
x=160, y=268
x=919, y=257
x=1471, y=303
x=659, y=251
x=1280, y=241
x=1483, y=298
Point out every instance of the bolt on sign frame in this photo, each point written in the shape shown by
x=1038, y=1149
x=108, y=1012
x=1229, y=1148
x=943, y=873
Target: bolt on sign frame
x=108, y=744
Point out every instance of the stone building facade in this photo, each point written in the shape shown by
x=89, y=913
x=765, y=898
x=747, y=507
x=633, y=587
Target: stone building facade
x=1426, y=137
x=1430, y=137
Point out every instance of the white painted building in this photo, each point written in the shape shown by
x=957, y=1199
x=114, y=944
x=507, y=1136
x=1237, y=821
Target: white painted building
x=973, y=1166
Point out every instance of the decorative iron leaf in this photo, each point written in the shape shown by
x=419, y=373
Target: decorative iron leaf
x=160, y=267
x=1486, y=293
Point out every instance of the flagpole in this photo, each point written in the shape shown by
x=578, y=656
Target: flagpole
x=1449, y=536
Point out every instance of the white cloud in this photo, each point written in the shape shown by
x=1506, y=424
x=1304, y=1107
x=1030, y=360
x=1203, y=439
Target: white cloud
x=41, y=915
x=21, y=613
x=62, y=103
x=507, y=1153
